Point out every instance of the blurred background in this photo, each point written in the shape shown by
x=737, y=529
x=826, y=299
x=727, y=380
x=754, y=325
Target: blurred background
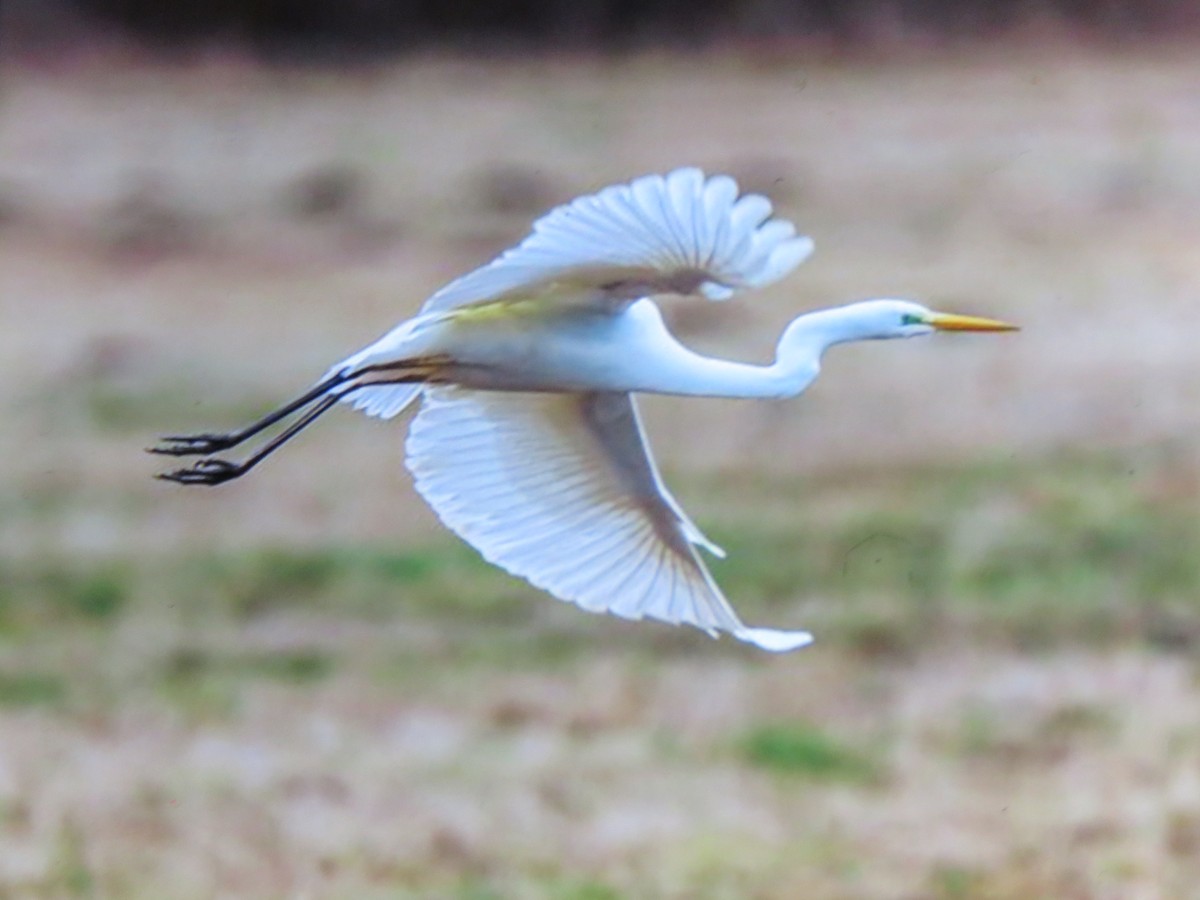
x=300, y=685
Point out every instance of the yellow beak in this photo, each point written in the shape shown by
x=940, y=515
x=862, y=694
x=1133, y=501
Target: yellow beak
x=952, y=322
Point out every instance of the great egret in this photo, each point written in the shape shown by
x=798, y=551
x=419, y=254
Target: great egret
x=528, y=442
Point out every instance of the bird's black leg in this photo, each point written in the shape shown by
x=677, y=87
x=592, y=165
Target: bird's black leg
x=216, y=471
x=203, y=444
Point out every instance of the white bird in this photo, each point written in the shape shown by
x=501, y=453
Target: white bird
x=527, y=442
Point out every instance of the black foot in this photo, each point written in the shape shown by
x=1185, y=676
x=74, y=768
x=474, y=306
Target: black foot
x=206, y=471
x=193, y=444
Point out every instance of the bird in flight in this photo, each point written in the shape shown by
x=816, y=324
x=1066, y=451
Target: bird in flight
x=528, y=443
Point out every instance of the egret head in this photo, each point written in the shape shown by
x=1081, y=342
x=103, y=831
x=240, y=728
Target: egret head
x=809, y=336
x=882, y=319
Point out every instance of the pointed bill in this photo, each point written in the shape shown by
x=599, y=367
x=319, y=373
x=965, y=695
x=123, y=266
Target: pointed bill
x=953, y=322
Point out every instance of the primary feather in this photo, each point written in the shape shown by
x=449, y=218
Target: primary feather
x=561, y=490
x=677, y=233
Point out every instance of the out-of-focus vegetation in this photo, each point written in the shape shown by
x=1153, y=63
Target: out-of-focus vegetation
x=300, y=684
x=316, y=26
x=307, y=690
x=1070, y=551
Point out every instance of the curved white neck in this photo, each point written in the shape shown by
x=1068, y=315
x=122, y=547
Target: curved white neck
x=815, y=332
x=797, y=361
x=708, y=377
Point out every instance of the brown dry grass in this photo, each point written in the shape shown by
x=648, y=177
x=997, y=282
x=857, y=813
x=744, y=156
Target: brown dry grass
x=180, y=247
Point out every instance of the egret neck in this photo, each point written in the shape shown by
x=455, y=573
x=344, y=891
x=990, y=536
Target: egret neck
x=797, y=356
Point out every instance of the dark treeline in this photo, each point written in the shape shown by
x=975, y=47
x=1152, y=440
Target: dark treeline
x=388, y=25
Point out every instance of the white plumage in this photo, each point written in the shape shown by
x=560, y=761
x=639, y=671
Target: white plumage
x=528, y=443
x=540, y=484
x=657, y=226
x=561, y=490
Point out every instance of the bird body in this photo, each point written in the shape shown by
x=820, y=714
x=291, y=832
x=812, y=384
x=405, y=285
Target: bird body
x=528, y=443
x=531, y=346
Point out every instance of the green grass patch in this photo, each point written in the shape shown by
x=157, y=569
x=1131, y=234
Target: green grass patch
x=118, y=406
x=295, y=666
x=544, y=887
x=31, y=689
x=300, y=667
x=209, y=685
x=984, y=733
x=1064, y=550
x=950, y=882
x=886, y=564
x=47, y=594
x=442, y=581
x=980, y=734
x=473, y=889
x=797, y=748
x=1072, y=722
x=583, y=890
x=69, y=873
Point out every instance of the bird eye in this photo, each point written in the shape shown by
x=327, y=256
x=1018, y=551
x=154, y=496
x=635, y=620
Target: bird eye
x=911, y=319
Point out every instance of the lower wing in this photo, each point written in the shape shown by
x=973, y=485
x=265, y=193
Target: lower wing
x=561, y=490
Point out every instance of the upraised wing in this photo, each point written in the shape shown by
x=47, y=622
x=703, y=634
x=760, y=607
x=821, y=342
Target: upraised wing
x=661, y=234
x=561, y=490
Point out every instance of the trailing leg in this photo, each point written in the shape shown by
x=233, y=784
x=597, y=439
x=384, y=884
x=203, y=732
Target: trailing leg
x=214, y=470
x=204, y=444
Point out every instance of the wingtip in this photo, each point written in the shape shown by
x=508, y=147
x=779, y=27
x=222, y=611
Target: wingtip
x=774, y=640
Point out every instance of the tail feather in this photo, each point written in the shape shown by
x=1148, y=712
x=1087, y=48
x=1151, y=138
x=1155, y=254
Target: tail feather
x=385, y=401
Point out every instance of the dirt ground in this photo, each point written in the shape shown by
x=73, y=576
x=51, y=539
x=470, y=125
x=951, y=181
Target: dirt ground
x=299, y=686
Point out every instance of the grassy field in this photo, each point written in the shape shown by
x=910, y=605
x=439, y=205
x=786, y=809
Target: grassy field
x=301, y=686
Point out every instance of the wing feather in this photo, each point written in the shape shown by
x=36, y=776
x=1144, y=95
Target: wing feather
x=676, y=233
x=561, y=490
